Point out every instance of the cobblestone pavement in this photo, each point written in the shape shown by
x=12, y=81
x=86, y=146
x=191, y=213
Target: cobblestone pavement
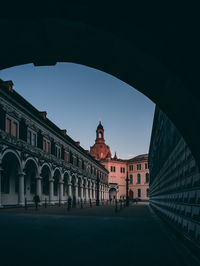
x=88, y=236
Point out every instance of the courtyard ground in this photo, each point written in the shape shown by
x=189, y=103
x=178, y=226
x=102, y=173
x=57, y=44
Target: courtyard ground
x=88, y=236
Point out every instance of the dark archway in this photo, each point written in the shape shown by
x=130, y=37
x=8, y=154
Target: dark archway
x=155, y=56
x=10, y=179
x=113, y=194
x=30, y=179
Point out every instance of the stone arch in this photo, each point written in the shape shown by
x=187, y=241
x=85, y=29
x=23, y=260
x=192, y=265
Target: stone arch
x=10, y=177
x=57, y=178
x=113, y=193
x=46, y=175
x=31, y=173
x=8, y=150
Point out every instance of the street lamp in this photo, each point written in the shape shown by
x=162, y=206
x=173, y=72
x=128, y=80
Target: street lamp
x=127, y=197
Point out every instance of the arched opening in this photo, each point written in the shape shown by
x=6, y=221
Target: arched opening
x=74, y=187
x=65, y=185
x=30, y=180
x=45, y=174
x=130, y=194
x=10, y=179
x=112, y=194
x=56, y=178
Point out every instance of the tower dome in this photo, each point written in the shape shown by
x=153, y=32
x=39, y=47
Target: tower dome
x=100, y=150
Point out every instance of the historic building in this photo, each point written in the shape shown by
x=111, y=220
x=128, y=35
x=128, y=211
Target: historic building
x=37, y=157
x=174, y=179
x=137, y=169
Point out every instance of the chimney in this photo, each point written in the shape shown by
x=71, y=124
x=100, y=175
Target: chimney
x=43, y=114
x=77, y=143
x=8, y=85
x=64, y=132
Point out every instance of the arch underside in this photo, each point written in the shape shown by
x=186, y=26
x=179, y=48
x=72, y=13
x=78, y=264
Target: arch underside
x=148, y=56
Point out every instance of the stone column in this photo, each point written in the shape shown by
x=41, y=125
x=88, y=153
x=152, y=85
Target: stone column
x=1, y=170
x=76, y=191
x=94, y=192
x=51, y=180
x=86, y=191
x=81, y=191
x=61, y=191
x=38, y=187
x=70, y=190
x=21, y=188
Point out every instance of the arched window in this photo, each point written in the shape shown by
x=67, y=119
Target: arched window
x=131, y=179
x=138, y=178
x=147, y=177
x=100, y=135
x=139, y=192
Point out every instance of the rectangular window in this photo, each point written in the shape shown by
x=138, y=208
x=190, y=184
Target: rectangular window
x=138, y=166
x=34, y=139
x=44, y=145
x=122, y=170
x=112, y=168
x=48, y=147
x=146, y=165
x=29, y=137
x=130, y=167
x=139, y=193
x=15, y=129
x=8, y=126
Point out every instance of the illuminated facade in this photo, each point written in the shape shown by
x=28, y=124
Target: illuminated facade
x=137, y=168
x=38, y=158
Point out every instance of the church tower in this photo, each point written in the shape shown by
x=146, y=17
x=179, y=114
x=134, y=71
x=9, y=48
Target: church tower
x=100, y=150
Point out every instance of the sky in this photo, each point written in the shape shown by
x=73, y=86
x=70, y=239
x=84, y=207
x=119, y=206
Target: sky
x=76, y=97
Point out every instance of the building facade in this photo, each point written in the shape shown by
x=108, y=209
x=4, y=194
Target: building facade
x=38, y=158
x=136, y=168
x=174, y=179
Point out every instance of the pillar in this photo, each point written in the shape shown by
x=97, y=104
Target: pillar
x=94, y=192
x=21, y=188
x=86, y=191
x=38, y=187
x=51, y=190
x=1, y=170
x=82, y=192
x=76, y=191
x=61, y=191
x=70, y=190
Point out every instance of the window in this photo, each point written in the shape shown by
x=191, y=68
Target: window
x=11, y=127
x=147, y=192
x=139, y=192
x=58, y=152
x=8, y=126
x=112, y=168
x=138, y=178
x=31, y=137
x=66, y=157
x=138, y=166
x=15, y=130
x=146, y=165
x=147, y=177
x=130, y=167
x=122, y=170
x=34, y=139
x=46, y=145
x=131, y=179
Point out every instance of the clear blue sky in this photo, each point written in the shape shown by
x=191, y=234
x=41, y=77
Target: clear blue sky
x=76, y=96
